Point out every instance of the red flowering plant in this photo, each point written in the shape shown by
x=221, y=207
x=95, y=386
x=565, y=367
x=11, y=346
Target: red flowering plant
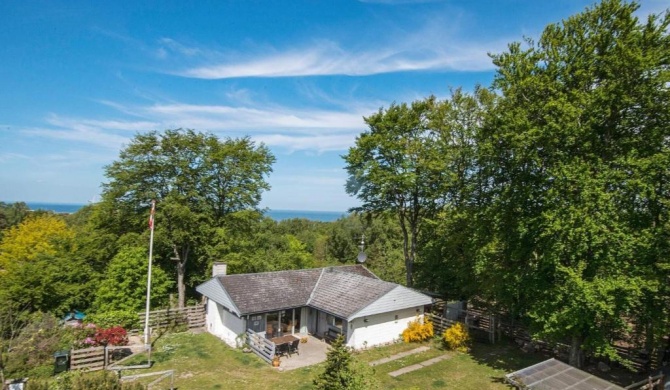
x=92, y=336
x=115, y=335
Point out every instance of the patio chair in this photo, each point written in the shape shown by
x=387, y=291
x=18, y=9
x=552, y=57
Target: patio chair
x=293, y=347
x=282, y=350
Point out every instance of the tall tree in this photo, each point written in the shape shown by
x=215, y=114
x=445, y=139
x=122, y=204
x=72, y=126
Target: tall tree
x=196, y=179
x=446, y=239
x=576, y=162
x=416, y=161
x=395, y=166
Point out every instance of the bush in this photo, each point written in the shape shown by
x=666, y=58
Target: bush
x=111, y=336
x=124, y=318
x=456, y=338
x=35, y=345
x=418, y=331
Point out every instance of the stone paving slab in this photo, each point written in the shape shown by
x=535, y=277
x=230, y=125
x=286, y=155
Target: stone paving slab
x=418, y=366
x=399, y=356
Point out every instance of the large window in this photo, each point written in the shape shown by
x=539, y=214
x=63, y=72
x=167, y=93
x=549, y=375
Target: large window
x=335, y=322
x=272, y=329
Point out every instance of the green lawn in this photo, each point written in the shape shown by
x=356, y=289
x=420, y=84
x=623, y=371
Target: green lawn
x=201, y=361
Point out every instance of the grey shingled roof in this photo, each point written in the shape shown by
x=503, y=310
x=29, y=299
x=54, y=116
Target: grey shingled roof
x=345, y=293
x=268, y=291
x=342, y=291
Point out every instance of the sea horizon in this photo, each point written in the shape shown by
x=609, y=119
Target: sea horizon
x=276, y=214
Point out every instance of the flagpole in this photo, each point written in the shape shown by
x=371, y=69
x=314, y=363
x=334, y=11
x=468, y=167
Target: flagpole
x=151, y=248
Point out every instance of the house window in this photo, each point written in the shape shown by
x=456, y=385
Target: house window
x=256, y=323
x=272, y=328
x=335, y=322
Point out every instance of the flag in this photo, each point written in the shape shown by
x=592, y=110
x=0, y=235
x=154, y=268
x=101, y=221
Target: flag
x=151, y=216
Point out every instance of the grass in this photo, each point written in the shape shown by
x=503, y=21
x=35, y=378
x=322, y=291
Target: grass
x=201, y=361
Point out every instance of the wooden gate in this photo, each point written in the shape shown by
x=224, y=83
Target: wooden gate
x=91, y=359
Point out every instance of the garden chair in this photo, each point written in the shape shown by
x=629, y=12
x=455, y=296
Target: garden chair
x=293, y=347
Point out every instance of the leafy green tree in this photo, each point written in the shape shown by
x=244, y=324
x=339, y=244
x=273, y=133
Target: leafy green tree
x=197, y=181
x=576, y=160
x=342, y=372
x=40, y=268
x=55, y=283
x=395, y=166
x=124, y=285
x=12, y=214
x=447, y=237
x=31, y=238
x=343, y=238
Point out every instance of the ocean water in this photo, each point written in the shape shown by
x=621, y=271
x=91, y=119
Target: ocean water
x=277, y=215
x=323, y=216
x=55, y=207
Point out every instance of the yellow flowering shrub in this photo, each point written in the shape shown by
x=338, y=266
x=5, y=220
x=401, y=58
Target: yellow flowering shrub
x=456, y=337
x=418, y=331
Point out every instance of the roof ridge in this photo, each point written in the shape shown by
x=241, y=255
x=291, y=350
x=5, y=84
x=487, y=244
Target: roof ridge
x=223, y=288
x=272, y=272
x=311, y=295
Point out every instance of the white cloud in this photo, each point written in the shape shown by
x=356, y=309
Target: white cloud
x=328, y=58
x=433, y=43
x=292, y=129
x=4, y=157
x=94, y=124
x=109, y=134
x=223, y=117
x=320, y=143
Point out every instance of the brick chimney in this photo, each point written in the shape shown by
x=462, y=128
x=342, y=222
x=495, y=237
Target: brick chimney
x=219, y=269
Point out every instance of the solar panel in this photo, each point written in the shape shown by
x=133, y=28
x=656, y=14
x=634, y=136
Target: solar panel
x=553, y=374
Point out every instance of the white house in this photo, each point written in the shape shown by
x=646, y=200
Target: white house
x=324, y=302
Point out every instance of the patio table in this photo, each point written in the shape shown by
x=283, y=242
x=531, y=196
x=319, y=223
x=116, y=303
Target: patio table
x=284, y=339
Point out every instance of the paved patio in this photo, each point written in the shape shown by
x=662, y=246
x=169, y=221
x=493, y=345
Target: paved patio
x=312, y=352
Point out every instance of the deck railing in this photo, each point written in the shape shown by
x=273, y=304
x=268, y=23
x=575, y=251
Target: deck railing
x=260, y=345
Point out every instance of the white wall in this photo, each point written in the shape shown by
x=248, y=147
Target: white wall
x=223, y=324
x=380, y=328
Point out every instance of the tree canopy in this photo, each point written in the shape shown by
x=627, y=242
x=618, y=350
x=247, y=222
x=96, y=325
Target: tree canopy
x=576, y=159
x=196, y=179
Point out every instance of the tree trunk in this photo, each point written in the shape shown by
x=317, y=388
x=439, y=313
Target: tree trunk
x=576, y=353
x=181, y=273
x=406, y=251
x=181, y=287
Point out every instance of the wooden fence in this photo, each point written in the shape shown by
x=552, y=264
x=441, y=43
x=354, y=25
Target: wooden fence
x=190, y=316
x=479, y=325
x=261, y=346
x=91, y=359
x=651, y=383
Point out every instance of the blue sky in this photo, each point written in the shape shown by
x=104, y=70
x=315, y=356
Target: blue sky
x=79, y=78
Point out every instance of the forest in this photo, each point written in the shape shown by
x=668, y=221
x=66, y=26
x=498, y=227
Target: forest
x=545, y=196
